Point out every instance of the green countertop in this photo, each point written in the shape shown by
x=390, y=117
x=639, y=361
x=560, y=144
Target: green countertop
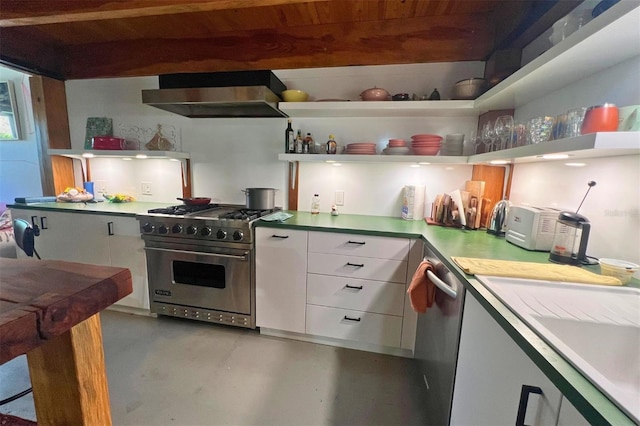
x=448, y=242
x=124, y=209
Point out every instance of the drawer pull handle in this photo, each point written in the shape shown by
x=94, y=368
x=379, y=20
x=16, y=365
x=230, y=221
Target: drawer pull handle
x=284, y=237
x=360, y=243
x=524, y=399
x=351, y=319
x=110, y=228
x=354, y=287
x=356, y=265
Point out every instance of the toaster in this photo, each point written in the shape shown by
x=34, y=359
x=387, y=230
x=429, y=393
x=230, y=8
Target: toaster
x=531, y=228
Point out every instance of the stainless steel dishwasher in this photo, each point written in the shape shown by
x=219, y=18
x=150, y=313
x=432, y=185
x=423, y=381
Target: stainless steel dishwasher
x=437, y=338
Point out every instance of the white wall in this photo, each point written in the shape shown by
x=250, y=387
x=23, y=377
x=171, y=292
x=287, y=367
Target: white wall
x=19, y=162
x=228, y=155
x=613, y=205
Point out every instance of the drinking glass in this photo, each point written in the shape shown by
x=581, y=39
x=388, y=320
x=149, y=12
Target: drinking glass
x=540, y=129
x=520, y=134
x=574, y=122
x=487, y=137
x=559, y=127
x=504, y=131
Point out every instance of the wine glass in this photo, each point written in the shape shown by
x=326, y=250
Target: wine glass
x=487, y=136
x=504, y=131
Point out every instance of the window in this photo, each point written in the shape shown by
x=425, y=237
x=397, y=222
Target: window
x=9, y=123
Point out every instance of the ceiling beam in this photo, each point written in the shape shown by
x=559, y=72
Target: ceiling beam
x=15, y=13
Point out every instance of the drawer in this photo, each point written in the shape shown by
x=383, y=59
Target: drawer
x=360, y=295
x=359, y=245
x=281, y=238
x=364, y=327
x=357, y=267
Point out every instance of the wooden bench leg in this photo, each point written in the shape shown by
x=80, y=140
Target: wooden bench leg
x=69, y=379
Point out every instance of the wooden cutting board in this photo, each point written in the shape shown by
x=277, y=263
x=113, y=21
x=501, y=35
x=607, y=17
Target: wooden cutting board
x=531, y=270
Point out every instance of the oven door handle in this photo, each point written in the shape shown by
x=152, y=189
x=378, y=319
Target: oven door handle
x=199, y=253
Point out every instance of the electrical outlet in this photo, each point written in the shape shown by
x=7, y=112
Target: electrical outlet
x=146, y=188
x=100, y=186
x=339, y=197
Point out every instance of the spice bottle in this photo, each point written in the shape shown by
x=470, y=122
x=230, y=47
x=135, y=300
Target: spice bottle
x=289, y=139
x=307, y=144
x=435, y=95
x=299, y=142
x=315, y=204
x=332, y=146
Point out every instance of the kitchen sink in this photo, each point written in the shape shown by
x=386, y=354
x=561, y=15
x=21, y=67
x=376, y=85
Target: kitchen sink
x=595, y=328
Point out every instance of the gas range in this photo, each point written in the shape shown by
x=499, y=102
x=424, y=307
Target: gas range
x=222, y=223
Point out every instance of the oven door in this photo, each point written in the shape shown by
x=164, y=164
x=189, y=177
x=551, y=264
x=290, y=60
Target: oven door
x=200, y=276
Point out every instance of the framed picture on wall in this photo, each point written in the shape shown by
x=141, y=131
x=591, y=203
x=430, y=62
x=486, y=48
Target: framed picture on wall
x=9, y=123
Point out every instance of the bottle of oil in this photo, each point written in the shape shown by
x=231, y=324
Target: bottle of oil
x=299, y=142
x=289, y=139
x=332, y=146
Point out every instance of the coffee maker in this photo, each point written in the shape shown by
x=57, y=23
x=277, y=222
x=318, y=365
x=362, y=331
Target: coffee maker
x=570, y=239
x=571, y=236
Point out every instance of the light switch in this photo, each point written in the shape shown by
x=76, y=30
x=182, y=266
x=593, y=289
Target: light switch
x=339, y=198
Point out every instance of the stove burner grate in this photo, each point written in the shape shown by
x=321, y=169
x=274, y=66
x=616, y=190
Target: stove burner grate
x=182, y=209
x=246, y=214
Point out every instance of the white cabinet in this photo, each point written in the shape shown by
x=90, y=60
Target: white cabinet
x=570, y=416
x=356, y=287
x=281, y=274
x=92, y=238
x=490, y=375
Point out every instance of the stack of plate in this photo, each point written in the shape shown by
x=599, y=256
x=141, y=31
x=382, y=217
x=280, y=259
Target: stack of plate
x=396, y=147
x=361, y=148
x=425, y=144
x=452, y=144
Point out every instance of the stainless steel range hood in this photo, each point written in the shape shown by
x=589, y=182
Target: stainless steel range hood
x=216, y=102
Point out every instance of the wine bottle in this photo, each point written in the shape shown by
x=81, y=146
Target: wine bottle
x=289, y=139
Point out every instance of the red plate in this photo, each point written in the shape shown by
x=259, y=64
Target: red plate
x=425, y=151
x=426, y=136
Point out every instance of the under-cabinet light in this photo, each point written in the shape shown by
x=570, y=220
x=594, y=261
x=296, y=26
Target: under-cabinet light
x=575, y=164
x=424, y=163
x=127, y=158
x=330, y=161
x=141, y=156
x=173, y=159
x=414, y=165
x=499, y=162
x=555, y=156
x=336, y=164
x=88, y=155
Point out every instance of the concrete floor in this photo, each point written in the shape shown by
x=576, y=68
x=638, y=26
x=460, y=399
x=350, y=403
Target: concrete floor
x=166, y=371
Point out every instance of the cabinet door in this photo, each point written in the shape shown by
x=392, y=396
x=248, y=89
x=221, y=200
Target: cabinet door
x=281, y=271
x=490, y=374
x=570, y=416
x=68, y=236
x=126, y=250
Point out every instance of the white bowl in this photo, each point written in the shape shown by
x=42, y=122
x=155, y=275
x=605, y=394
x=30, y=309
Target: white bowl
x=620, y=269
x=396, y=150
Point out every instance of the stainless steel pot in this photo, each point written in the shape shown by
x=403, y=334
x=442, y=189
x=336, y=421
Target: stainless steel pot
x=260, y=198
x=498, y=221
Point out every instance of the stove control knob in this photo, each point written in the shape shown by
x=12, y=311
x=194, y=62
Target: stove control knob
x=205, y=232
x=176, y=229
x=163, y=229
x=237, y=236
x=148, y=228
x=191, y=230
x=221, y=234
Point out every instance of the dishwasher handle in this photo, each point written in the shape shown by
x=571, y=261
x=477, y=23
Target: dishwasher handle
x=441, y=284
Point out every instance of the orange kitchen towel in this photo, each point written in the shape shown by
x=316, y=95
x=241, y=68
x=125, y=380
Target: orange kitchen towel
x=422, y=292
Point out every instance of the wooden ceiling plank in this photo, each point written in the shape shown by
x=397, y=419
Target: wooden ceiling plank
x=39, y=12
x=416, y=40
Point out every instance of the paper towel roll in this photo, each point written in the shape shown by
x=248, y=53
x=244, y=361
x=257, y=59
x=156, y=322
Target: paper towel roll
x=413, y=197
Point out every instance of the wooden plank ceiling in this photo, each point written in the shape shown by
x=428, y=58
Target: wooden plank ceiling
x=81, y=39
